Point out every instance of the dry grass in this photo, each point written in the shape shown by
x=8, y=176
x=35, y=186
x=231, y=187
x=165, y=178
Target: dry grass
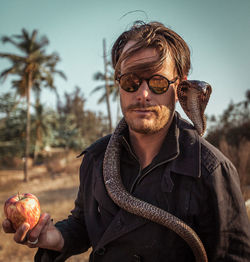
x=56, y=195
x=240, y=157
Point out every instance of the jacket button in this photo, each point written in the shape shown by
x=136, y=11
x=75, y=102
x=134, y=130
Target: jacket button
x=100, y=251
x=136, y=258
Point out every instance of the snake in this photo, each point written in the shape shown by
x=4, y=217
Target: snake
x=193, y=96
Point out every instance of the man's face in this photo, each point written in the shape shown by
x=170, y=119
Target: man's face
x=144, y=111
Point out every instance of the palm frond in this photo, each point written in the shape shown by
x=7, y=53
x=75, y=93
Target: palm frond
x=4, y=74
x=99, y=76
x=33, y=36
x=102, y=99
x=60, y=73
x=98, y=88
x=12, y=58
x=6, y=39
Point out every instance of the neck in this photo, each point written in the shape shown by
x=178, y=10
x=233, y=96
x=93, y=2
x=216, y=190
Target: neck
x=147, y=146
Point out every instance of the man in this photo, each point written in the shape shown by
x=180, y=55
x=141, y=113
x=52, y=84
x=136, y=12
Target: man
x=163, y=161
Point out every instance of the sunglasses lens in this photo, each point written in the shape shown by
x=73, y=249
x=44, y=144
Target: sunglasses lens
x=158, y=84
x=129, y=82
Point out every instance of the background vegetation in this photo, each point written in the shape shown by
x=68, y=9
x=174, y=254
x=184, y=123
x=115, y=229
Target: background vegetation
x=28, y=130
x=230, y=132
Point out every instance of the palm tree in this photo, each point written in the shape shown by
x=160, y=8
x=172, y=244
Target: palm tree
x=109, y=87
x=34, y=69
x=113, y=88
x=108, y=83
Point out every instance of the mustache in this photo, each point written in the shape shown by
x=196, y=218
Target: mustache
x=141, y=106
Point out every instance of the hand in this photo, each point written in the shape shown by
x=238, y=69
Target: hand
x=44, y=233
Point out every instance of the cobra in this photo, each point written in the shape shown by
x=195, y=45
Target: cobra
x=193, y=97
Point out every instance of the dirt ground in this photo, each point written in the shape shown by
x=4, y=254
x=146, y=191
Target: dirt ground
x=56, y=195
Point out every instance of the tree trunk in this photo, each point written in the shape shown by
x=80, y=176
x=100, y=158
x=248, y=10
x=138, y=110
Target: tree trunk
x=37, y=144
x=38, y=129
x=106, y=85
x=27, y=144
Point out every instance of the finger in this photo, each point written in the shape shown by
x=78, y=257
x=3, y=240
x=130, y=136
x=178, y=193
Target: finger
x=47, y=225
x=36, y=231
x=20, y=235
x=7, y=226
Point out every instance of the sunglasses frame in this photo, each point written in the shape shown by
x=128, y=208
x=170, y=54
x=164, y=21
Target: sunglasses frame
x=147, y=80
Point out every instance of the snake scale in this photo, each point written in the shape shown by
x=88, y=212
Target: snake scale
x=193, y=96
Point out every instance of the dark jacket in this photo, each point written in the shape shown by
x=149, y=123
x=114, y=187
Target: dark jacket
x=188, y=178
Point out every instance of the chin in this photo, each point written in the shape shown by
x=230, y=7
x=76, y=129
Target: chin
x=144, y=126
x=150, y=125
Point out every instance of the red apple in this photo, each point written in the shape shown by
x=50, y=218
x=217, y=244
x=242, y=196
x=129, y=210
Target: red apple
x=22, y=208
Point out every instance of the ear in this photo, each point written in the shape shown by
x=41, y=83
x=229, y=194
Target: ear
x=175, y=92
x=176, y=99
x=176, y=96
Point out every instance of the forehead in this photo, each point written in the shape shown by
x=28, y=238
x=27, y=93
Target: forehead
x=143, y=57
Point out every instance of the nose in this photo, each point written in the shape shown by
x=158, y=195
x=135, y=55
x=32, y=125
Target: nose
x=143, y=93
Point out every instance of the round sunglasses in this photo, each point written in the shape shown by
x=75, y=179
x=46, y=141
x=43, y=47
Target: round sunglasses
x=158, y=84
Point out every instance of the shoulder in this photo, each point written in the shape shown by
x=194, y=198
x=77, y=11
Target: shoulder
x=92, y=158
x=210, y=156
x=94, y=153
x=97, y=148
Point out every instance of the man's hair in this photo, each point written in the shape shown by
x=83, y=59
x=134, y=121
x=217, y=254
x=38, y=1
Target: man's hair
x=154, y=35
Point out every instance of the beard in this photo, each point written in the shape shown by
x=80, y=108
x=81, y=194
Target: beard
x=157, y=117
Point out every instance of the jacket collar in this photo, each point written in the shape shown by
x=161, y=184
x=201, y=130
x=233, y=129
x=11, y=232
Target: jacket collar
x=181, y=148
x=188, y=161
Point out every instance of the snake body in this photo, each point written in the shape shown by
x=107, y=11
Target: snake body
x=191, y=94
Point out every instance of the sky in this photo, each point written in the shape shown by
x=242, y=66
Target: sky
x=217, y=32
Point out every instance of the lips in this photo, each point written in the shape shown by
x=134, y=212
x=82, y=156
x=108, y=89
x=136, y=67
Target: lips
x=144, y=113
x=142, y=110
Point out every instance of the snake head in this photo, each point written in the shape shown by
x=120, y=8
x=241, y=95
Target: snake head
x=193, y=96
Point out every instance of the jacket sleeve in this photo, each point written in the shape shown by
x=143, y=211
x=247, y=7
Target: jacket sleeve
x=73, y=228
x=227, y=238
